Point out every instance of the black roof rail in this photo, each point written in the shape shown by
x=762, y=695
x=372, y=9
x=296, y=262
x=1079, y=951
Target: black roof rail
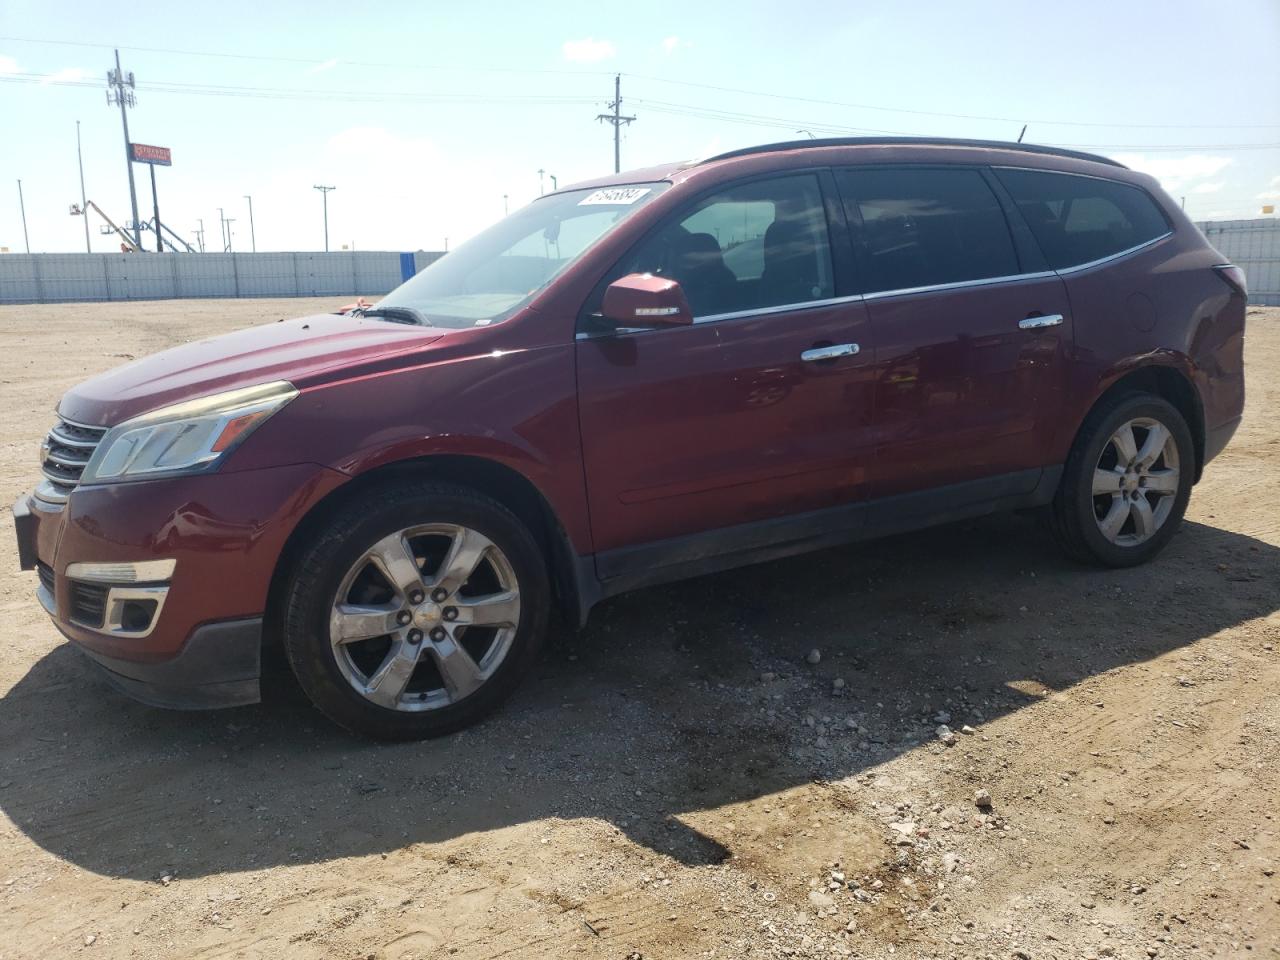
x=913, y=142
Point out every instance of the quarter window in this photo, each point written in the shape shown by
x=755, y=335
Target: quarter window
x=1081, y=219
x=922, y=227
x=761, y=244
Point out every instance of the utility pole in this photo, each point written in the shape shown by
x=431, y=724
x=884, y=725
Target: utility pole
x=120, y=89
x=23, y=206
x=226, y=230
x=253, y=240
x=200, y=234
x=84, y=204
x=541, y=188
x=325, y=191
x=617, y=119
x=505, y=208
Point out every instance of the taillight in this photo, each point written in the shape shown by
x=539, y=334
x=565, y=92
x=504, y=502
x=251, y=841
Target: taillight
x=1235, y=277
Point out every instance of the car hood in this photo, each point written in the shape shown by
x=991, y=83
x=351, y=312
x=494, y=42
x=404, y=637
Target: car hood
x=293, y=350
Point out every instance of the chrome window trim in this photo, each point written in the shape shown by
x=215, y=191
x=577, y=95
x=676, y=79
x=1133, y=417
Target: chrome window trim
x=1067, y=173
x=959, y=284
x=827, y=302
x=1065, y=271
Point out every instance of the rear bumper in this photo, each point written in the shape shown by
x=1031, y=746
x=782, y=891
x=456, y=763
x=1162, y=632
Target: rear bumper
x=218, y=667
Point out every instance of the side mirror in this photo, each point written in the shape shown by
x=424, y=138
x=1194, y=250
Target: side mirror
x=643, y=300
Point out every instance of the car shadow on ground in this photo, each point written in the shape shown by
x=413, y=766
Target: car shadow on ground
x=658, y=710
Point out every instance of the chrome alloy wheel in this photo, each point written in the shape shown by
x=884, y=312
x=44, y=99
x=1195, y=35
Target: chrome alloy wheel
x=425, y=617
x=1135, y=482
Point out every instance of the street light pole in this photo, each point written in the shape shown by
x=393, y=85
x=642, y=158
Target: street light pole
x=84, y=204
x=325, y=191
x=253, y=240
x=23, y=206
x=555, y=183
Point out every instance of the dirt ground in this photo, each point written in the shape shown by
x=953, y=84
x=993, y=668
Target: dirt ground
x=678, y=781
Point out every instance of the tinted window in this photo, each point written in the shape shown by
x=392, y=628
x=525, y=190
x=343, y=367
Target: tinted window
x=1080, y=219
x=762, y=244
x=920, y=227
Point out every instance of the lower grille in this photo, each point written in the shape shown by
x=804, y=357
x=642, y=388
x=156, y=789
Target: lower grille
x=45, y=573
x=88, y=603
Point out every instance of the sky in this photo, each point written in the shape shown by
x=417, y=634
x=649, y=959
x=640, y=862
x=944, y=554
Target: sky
x=431, y=119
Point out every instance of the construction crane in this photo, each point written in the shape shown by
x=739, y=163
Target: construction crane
x=172, y=239
x=128, y=240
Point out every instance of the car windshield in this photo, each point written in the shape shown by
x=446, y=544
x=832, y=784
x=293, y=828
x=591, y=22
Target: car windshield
x=490, y=276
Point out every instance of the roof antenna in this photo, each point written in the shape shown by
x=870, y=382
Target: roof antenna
x=1023, y=133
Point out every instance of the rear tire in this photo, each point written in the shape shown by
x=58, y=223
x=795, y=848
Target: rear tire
x=1126, y=482
x=416, y=611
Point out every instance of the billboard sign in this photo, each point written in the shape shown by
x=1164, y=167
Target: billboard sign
x=145, y=153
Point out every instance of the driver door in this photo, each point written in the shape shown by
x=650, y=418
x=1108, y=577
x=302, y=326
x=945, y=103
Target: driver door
x=710, y=438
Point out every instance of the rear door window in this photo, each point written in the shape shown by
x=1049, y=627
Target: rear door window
x=1081, y=219
x=923, y=226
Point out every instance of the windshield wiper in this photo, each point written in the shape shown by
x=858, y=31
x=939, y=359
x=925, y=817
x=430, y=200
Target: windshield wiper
x=396, y=315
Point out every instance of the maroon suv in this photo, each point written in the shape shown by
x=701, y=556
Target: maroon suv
x=645, y=377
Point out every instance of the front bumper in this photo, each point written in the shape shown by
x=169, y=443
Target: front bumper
x=225, y=533
x=218, y=666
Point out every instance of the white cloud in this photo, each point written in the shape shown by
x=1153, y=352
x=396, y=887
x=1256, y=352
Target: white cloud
x=588, y=50
x=9, y=65
x=671, y=44
x=322, y=67
x=1213, y=187
x=1177, y=173
x=63, y=76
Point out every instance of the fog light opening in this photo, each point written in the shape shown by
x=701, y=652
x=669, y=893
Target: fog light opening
x=136, y=615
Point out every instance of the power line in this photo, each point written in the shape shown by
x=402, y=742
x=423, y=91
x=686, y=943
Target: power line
x=307, y=61
x=657, y=106
x=763, y=120
x=953, y=116
x=301, y=93
x=397, y=65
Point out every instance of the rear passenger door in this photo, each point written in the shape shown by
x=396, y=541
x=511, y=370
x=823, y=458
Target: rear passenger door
x=972, y=332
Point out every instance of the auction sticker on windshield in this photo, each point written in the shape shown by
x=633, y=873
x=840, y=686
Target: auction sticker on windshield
x=615, y=195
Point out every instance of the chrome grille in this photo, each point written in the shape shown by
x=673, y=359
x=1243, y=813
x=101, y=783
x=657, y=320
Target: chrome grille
x=63, y=456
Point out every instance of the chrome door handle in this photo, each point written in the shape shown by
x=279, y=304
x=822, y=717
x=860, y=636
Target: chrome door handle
x=829, y=353
x=1035, y=323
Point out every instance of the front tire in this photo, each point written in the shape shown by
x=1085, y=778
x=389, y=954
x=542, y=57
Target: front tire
x=416, y=611
x=1126, y=483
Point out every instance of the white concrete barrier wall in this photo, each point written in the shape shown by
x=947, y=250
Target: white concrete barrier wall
x=70, y=277
x=1254, y=246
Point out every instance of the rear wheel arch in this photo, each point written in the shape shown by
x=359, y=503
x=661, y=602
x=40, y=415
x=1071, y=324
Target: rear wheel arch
x=501, y=483
x=1169, y=383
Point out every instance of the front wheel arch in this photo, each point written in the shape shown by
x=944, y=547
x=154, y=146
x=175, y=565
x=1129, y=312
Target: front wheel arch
x=573, y=594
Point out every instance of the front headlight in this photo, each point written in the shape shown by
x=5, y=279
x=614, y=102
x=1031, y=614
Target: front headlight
x=189, y=437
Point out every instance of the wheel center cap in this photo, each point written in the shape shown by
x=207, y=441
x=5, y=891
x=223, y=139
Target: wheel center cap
x=427, y=615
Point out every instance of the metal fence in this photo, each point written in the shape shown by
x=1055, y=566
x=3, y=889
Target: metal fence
x=1253, y=245
x=66, y=277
